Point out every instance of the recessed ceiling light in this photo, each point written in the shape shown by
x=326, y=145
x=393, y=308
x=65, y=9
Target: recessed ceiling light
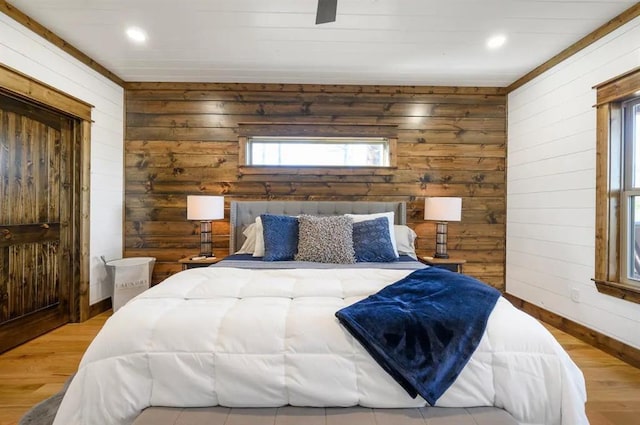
x=496, y=41
x=136, y=35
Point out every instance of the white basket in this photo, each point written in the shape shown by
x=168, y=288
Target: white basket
x=129, y=277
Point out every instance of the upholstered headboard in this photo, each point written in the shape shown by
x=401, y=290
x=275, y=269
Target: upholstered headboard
x=244, y=213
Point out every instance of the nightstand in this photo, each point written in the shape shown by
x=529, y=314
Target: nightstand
x=188, y=263
x=453, y=264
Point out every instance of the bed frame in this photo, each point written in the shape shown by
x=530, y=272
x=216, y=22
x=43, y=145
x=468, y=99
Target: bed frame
x=289, y=415
x=243, y=213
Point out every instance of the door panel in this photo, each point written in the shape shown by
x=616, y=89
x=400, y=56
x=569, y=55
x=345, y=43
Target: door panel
x=36, y=171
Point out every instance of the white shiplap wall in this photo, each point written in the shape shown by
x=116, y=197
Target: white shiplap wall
x=32, y=55
x=551, y=188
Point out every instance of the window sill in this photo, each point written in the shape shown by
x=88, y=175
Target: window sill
x=333, y=171
x=619, y=290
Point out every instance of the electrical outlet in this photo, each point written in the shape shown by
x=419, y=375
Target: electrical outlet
x=575, y=295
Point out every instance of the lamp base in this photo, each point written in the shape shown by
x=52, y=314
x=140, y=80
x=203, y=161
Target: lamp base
x=205, y=239
x=441, y=240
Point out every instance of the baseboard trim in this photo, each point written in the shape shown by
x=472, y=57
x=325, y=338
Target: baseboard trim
x=618, y=349
x=99, y=307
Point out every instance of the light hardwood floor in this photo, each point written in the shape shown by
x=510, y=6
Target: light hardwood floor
x=37, y=370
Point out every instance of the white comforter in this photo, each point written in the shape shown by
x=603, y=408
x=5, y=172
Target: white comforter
x=259, y=338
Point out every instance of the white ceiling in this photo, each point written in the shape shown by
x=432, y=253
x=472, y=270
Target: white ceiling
x=408, y=42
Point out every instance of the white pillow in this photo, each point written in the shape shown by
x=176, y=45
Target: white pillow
x=405, y=238
x=250, y=242
x=390, y=217
x=258, y=249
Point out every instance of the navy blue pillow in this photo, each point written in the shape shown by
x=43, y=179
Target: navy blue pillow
x=280, y=237
x=372, y=241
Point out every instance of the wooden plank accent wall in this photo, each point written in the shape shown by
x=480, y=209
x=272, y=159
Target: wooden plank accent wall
x=182, y=139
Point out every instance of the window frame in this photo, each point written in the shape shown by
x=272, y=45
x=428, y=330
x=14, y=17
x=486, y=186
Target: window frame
x=609, y=237
x=628, y=190
x=308, y=131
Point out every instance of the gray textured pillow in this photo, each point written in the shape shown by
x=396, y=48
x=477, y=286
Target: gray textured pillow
x=325, y=239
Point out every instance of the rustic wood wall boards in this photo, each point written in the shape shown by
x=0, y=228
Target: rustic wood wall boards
x=183, y=139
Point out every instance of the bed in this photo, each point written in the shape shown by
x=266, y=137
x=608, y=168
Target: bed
x=250, y=342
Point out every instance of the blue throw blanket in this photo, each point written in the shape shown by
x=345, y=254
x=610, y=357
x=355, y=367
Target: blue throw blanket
x=424, y=328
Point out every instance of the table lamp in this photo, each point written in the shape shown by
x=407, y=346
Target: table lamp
x=205, y=209
x=442, y=210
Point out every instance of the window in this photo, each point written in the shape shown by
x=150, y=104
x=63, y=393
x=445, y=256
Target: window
x=630, y=202
x=617, y=250
x=318, y=151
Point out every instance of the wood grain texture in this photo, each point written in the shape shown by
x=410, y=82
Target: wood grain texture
x=602, y=195
x=609, y=173
x=329, y=89
x=183, y=139
x=38, y=369
x=22, y=86
x=594, y=338
x=618, y=88
x=100, y=307
x=31, y=273
x=82, y=235
x=40, y=214
x=619, y=290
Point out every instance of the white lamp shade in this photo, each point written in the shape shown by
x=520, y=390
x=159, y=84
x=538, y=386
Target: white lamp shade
x=205, y=207
x=443, y=209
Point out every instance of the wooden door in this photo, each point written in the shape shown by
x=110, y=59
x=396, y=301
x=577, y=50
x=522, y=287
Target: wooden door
x=36, y=216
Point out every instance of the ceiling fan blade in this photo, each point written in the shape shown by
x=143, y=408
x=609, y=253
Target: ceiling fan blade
x=326, y=11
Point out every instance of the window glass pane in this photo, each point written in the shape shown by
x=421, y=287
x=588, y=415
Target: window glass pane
x=630, y=195
x=634, y=238
x=634, y=149
x=318, y=152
